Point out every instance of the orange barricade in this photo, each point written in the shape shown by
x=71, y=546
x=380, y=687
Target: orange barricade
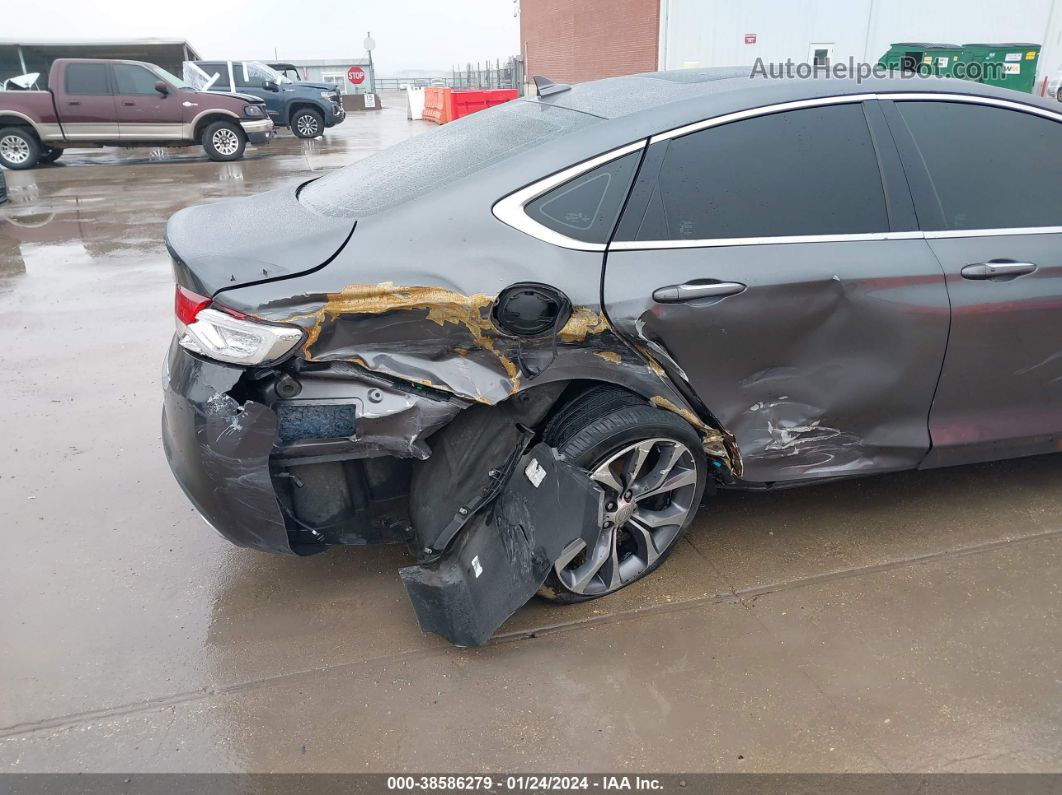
x=466, y=102
x=443, y=104
x=438, y=105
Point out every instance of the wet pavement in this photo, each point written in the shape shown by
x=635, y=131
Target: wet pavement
x=909, y=622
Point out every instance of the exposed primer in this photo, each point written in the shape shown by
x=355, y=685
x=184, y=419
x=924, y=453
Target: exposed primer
x=609, y=356
x=583, y=322
x=443, y=306
x=654, y=366
x=714, y=443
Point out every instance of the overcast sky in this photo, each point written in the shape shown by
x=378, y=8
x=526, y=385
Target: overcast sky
x=410, y=34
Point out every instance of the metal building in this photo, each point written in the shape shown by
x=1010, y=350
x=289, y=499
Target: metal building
x=21, y=56
x=600, y=38
x=336, y=71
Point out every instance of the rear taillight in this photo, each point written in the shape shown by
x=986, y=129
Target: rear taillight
x=186, y=305
x=229, y=336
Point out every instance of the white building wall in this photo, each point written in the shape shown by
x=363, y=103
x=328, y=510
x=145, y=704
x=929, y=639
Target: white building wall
x=712, y=32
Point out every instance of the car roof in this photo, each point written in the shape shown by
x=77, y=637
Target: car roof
x=702, y=92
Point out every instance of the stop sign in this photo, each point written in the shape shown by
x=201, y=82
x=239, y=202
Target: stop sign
x=356, y=75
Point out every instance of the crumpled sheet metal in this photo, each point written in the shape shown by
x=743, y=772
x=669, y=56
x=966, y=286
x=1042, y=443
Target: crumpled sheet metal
x=437, y=337
x=444, y=339
x=389, y=422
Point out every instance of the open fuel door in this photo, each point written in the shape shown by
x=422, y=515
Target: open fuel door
x=502, y=556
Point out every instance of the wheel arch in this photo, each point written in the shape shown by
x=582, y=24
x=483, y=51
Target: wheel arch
x=10, y=118
x=304, y=104
x=208, y=117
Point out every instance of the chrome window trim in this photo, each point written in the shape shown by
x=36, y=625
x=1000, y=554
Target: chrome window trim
x=781, y=107
x=510, y=210
x=973, y=99
x=777, y=240
x=1018, y=230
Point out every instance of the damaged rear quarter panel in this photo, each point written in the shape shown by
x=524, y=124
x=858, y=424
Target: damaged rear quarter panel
x=413, y=301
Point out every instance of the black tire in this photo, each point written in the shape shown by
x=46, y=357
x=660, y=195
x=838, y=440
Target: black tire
x=595, y=427
x=1058, y=94
x=19, y=148
x=307, y=123
x=50, y=155
x=224, y=141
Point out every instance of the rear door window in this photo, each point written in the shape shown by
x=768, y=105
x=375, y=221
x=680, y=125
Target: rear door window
x=812, y=171
x=87, y=79
x=991, y=168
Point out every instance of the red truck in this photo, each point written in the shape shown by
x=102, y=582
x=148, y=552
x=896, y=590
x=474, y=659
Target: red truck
x=93, y=102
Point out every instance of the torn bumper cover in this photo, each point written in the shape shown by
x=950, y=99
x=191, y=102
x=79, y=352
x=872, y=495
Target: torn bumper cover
x=504, y=554
x=219, y=452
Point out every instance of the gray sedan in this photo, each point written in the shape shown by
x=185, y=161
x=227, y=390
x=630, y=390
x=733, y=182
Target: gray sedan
x=531, y=343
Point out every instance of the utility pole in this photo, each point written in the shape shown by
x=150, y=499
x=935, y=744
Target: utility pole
x=370, y=45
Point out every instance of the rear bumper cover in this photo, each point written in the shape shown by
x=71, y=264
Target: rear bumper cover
x=219, y=451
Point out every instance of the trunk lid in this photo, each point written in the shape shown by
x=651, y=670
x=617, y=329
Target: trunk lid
x=243, y=241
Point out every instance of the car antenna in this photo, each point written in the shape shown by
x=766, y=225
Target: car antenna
x=546, y=86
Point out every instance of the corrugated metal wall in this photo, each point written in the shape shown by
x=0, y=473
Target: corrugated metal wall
x=712, y=32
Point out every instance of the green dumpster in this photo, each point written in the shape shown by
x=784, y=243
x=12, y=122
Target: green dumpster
x=1007, y=65
x=908, y=56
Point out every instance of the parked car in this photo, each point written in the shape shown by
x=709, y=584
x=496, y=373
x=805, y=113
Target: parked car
x=92, y=102
x=307, y=108
x=527, y=343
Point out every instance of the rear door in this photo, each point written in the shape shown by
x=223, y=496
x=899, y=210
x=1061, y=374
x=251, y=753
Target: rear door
x=774, y=263
x=987, y=180
x=86, y=106
x=143, y=113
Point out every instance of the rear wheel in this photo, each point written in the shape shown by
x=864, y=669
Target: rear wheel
x=1058, y=94
x=652, y=468
x=307, y=123
x=224, y=140
x=19, y=148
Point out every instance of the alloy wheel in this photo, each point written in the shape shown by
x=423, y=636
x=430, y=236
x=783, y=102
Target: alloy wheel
x=306, y=125
x=225, y=141
x=650, y=488
x=14, y=149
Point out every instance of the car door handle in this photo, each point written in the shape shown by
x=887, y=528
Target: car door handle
x=73, y=102
x=691, y=291
x=128, y=104
x=997, y=269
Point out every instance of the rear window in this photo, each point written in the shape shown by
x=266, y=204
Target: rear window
x=440, y=156
x=87, y=79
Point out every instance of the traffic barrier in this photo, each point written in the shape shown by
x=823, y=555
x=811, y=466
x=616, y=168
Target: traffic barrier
x=466, y=102
x=444, y=104
x=438, y=105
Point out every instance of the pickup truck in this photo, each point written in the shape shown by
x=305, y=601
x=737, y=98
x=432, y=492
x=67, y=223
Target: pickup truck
x=307, y=108
x=94, y=102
